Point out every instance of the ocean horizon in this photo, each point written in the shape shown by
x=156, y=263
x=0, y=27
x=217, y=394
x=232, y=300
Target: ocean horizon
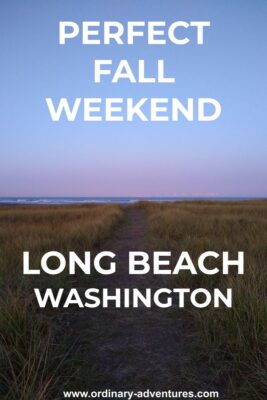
x=109, y=200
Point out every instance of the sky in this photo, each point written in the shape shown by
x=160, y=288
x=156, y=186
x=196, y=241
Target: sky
x=226, y=157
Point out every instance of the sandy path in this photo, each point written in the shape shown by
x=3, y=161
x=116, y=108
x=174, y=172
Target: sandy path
x=136, y=348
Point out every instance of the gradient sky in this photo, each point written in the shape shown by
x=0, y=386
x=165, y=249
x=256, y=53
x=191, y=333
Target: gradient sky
x=227, y=157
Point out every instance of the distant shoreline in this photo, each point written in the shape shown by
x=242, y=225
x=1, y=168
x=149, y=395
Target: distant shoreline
x=17, y=201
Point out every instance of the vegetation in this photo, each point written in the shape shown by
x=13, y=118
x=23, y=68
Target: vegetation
x=35, y=346
x=235, y=340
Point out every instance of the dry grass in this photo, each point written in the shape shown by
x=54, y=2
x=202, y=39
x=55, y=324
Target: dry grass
x=35, y=362
x=236, y=339
x=34, y=346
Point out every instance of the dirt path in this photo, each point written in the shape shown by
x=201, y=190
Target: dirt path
x=135, y=348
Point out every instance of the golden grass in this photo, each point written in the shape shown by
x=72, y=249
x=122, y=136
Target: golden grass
x=34, y=347
x=236, y=339
x=34, y=360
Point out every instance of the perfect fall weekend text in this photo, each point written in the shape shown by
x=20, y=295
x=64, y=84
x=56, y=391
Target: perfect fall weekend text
x=119, y=109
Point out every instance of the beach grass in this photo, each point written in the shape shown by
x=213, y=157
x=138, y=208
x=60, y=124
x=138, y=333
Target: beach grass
x=35, y=346
x=233, y=340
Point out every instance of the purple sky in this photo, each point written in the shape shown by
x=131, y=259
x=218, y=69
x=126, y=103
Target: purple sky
x=226, y=157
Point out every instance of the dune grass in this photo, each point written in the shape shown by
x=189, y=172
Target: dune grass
x=234, y=340
x=35, y=346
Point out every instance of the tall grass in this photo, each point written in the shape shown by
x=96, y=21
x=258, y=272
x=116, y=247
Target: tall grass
x=234, y=339
x=34, y=346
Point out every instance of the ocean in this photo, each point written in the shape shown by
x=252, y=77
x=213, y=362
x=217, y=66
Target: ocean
x=107, y=200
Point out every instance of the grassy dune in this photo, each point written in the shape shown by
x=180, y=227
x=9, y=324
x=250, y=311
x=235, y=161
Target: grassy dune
x=36, y=351
x=234, y=339
x=34, y=346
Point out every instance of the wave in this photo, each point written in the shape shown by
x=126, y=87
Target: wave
x=104, y=200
